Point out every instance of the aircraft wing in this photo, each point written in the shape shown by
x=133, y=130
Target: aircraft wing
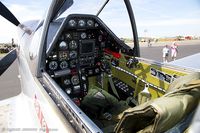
x=188, y=62
x=16, y=116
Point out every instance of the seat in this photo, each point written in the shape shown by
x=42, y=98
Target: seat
x=102, y=107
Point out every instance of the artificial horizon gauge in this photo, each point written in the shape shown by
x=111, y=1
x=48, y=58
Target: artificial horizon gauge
x=53, y=65
x=63, y=65
x=90, y=23
x=75, y=80
x=63, y=45
x=72, y=23
x=73, y=44
x=81, y=23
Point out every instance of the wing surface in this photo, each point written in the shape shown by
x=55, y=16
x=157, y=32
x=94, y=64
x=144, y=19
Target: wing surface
x=16, y=115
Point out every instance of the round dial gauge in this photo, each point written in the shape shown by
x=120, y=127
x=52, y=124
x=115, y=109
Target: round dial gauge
x=63, y=55
x=63, y=45
x=68, y=90
x=67, y=82
x=73, y=54
x=72, y=23
x=90, y=23
x=75, y=80
x=81, y=23
x=73, y=63
x=73, y=45
x=53, y=65
x=68, y=36
x=83, y=35
x=63, y=65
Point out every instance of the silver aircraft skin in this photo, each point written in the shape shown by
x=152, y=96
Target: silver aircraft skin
x=33, y=110
x=43, y=106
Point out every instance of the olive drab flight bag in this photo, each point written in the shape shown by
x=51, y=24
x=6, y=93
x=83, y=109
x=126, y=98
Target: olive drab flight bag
x=163, y=113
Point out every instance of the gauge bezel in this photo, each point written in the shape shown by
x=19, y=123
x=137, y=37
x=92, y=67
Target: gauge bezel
x=56, y=63
x=90, y=23
x=74, y=24
x=66, y=65
x=63, y=47
x=81, y=23
x=73, y=45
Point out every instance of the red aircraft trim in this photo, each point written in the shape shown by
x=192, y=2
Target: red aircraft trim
x=115, y=54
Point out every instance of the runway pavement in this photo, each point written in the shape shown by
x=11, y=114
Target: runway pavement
x=9, y=81
x=155, y=52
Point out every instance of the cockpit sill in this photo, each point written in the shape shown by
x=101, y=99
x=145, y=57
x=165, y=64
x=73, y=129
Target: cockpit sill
x=77, y=118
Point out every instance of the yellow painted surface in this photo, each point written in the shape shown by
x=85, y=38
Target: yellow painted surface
x=144, y=76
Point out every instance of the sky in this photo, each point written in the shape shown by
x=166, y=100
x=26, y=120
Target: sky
x=154, y=18
x=167, y=17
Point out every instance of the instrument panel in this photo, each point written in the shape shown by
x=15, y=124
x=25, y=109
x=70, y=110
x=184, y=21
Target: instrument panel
x=78, y=52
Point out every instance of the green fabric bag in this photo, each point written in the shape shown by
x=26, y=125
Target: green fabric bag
x=163, y=113
x=104, y=107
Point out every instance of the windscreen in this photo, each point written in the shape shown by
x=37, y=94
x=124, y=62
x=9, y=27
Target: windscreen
x=114, y=15
x=84, y=7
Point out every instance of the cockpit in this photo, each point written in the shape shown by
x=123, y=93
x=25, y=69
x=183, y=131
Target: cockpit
x=93, y=75
x=84, y=58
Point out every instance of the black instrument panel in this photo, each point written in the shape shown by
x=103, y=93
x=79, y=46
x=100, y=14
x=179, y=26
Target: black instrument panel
x=78, y=52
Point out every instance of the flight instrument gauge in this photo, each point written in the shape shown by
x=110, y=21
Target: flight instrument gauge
x=53, y=65
x=75, y=80
x=72, y=23
x=63, y=65
x=63, y=55
x=72, y=63
x=67, y=82
x=81, y=23
x=83, y=35
x=73, y=54
x=90, y=23
x=68, y=90
x=63, y=45
x=73, y=45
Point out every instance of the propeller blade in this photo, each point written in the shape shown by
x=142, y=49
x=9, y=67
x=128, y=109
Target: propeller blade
x=8, y=15
x=7, y=61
